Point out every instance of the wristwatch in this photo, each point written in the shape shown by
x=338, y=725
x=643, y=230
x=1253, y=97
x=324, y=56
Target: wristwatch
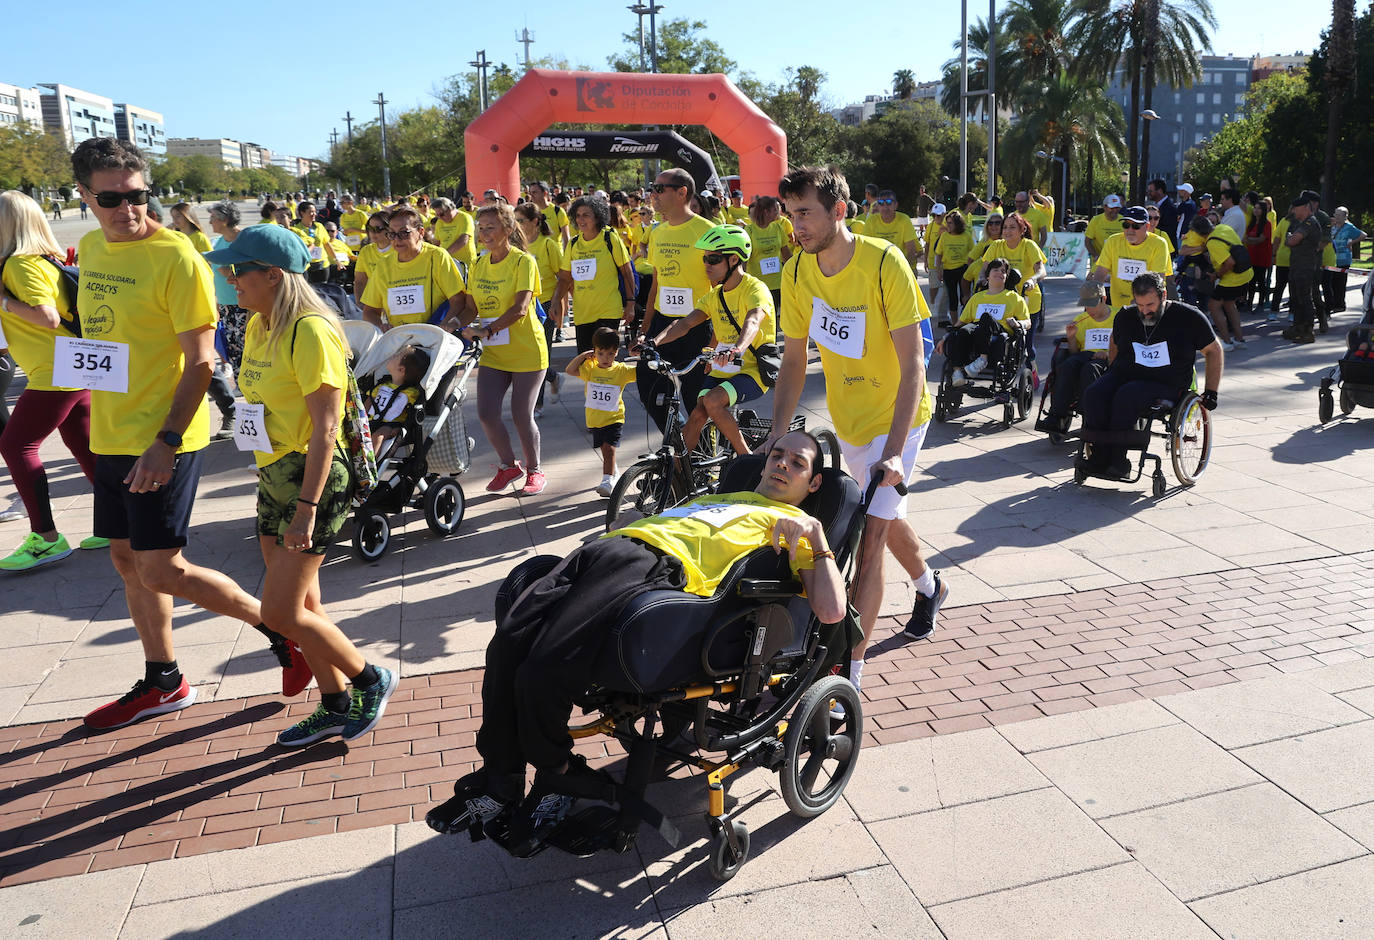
x=171, y=438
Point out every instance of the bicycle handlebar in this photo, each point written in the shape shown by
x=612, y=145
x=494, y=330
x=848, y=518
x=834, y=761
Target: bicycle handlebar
x=654, y=360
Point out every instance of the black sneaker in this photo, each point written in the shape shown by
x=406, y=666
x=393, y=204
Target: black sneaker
x=923, y=614
x=473, y=803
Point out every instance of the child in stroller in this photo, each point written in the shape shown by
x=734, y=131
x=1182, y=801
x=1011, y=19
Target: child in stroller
x=391, y=405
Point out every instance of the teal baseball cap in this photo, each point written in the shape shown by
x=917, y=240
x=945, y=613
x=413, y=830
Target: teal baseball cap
x=269, y=245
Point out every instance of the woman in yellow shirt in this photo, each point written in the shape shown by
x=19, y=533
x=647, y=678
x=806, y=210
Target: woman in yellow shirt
x=294, y=378
x=595, y=272
x=547, y=252
x=370, y=254
x=31, y=309
x=952, y=253
x=1029, y=261
x=981, y=335
x=184, y=221
x=316, y=239
x=501, y=290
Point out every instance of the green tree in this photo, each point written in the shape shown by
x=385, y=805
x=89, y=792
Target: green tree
x=813, y=135
x=902, y=149
x=1256, y=148
x=977, y=66
x=1036, y=33
x=682, y=50
x=31, y=159
x=1340, y=80
x=903, y=83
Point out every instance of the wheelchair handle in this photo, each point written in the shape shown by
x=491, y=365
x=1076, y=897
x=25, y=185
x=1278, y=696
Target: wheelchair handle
x=875, y=481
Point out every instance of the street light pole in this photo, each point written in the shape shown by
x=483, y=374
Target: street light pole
x=1150, y=115
x=386, y=168
x=1063, y=184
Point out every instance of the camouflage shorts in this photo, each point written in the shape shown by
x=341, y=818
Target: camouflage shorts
x=279, y=486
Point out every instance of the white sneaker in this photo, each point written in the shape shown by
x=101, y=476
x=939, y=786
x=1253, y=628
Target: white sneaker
x=604, y=487
x=1240, y=341
x=1227, y=345
x=976, y=366
x=959, y=378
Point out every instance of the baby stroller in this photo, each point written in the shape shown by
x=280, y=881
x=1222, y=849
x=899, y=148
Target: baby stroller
x=1353, y=375
x=360, y=335
x=744, y=676
x=432, y=450
x=1007, y=381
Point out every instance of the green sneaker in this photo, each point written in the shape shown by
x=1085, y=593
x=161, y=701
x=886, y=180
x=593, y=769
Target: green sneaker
x=34, y=552
x=369, y=704
x=93, y=542
x=321, y=723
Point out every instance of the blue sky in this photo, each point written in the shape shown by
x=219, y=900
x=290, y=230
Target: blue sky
x=228, y=87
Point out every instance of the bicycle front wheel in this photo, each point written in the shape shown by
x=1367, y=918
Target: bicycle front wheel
x=641, y=491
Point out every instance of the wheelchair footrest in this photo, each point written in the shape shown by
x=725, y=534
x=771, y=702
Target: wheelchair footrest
x=1132, y=440
x=586, y=832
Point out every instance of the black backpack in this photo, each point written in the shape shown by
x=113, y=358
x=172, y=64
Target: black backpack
x=68, y=284
x=1240, y=257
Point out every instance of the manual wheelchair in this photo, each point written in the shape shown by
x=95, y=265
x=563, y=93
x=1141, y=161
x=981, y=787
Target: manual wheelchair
x=1008, y=381
x=1185, y=426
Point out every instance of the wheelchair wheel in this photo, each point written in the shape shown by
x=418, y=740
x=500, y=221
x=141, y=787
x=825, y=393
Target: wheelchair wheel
x=725, y=861
x=371, y=536
x=640, y=492
x=820, y=751
x=1326, y=406
x=1025, y=394
x=1347, y=402
x=830, y=447
x=1190, y=443
x=444, y=506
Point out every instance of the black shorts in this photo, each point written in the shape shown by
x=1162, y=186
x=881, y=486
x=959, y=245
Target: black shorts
x=610, y=434
x=1238, y=292
x=150, y=521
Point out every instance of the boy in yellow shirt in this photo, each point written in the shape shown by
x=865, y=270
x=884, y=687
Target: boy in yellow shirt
x=606, y=380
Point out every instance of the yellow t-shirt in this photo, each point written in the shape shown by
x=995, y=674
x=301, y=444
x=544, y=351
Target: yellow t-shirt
x=354, y=227
x=787, y=228
x=682, y=280
x=954, y=250
x=1221, y=237
x=520, y=347
x=851, y=316
x=766, y=251
x=1023, y=259
x=709, y=534
x=316, y=242
x=548, y=256
x=1124, y=262
x=1004, y=305
x=899, y=231
x=35, y=281
x=595, y=272
x=1092, y=334
x=934, y=232
x=600, y=414
x=278, y=375
x=557, y=219
x=1040, y=217
x=975, y=260
x=639, y=233
x=1168, y=241
x=410, y=291
x=449, y=232
x=144, y=293
x=369, y=257
x=749, y=294
x=198, y=241
x=856, y=225
x=1280, y=243
x=737, y=214
x=1100, y=228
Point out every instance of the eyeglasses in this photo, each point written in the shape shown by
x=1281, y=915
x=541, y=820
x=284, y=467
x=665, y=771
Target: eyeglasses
x=714, y=258
x=886, y=202
x=112, y=198
x=403, y=233
x=660, y=187
x=1134, y=225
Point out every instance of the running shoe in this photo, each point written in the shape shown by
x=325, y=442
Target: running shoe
x=142, y=701
x=369, y=705
x=534, y=483
x=505, y=476
x=34, y=551
x=295, y=671
x=974, y=368
x=958, y=378
x=321, y=723
x=925, y=610
x=226, y=426
x=94, y=542
x=604, y=487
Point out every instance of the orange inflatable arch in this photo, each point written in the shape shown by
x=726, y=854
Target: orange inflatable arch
x=544, y=97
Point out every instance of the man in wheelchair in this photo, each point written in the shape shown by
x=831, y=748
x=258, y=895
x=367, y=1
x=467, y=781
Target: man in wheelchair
x=545, y=649
x=1152, y=353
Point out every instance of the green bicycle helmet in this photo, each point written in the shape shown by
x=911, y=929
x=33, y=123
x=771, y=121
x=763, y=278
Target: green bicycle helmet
x=726, y=239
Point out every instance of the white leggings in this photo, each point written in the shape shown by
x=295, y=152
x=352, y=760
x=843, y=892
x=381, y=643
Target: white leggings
x=492, y=385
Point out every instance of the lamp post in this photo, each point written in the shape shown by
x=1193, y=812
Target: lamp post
x=1064, y=184
x=386, y=167
x=1151, y=115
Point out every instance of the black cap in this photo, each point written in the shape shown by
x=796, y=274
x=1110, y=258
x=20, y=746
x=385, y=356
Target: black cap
x=1299, y=201
x=1309, y=195
x=1135, y=214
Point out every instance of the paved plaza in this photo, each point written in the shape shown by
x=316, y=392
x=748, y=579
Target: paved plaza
x=1139, y=717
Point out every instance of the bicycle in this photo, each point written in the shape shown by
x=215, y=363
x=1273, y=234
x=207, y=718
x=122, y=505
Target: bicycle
x=658, y=482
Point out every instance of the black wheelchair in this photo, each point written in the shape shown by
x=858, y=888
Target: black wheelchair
x=744, y=676
x=1184, y=424
x=1009, y=381
x=1352, y=377
x=1059, y=432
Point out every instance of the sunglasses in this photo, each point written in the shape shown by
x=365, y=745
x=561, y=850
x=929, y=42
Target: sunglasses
x=248, y=267
x=379, y=229
x=403, y=233
x=886, y=202
x=112, y=198
x=714, y=258
x=1134, y=225
x=660, y=187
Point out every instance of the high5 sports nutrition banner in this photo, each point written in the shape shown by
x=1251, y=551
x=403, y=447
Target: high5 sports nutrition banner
x=1067, y=253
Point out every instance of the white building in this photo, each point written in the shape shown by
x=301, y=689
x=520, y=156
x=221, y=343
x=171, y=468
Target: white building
x=75, y=114
x=228, y=152
x=20, y=105
x=255, y=156
x=145, y=129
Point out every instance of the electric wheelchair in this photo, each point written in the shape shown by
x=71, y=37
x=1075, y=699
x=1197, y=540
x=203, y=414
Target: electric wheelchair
x=742, y=678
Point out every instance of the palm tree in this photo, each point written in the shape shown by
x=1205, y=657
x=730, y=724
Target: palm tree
x=977, y=67
x=1146, y=40
x=903, y=83
x=1340, y=79
x=1036, y=37
x=1070, y=118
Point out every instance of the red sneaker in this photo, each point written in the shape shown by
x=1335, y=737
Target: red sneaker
x=142, y=701
x=295, y=671
x=505, y=476
x=534, y=483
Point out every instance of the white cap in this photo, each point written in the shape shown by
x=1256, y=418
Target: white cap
x=1185, y=188
x=1112, y=202
x=938, y=209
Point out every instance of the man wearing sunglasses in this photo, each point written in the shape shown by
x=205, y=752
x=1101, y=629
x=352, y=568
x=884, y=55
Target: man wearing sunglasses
x=1103, y=226
x=893, y=226
x=1130, y=253
x=147, y=307
x=680, y=283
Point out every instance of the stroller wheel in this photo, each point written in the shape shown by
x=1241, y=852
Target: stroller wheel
x=371, y=536
x=444, y=506
x=1347, y=402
